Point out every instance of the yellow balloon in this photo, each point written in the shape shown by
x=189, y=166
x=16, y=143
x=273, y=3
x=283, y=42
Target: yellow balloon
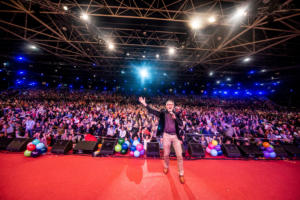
x=214, y=142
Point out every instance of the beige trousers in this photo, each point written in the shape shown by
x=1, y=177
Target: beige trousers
x=167, y=141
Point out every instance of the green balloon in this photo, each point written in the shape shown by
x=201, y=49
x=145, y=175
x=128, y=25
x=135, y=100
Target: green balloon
x=121, y=141
x=123, y=151
x=118, y=148
x=27, y=153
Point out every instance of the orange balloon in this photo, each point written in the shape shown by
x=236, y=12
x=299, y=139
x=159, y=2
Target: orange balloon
x=266, y=144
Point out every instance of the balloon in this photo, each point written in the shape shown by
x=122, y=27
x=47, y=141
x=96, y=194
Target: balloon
x=44, y=149
x=214, y=142
x=139, y=147
x=132, y=148
x=142, y=152
x=208, y=149
x=266, y=154
x=35, y=141
x=121, y=140
x=270, y=149
x=29, y=143
x=27, y=153
x=135, y=142
x=128, y=143
x=40, y=146
x=273, y=154
x=31, y=147
x=99, y=145
x=213, y=152
x=218, y=147
x=220, y=152
x=271, y=146
x=131, y=153
x=266, y=144
x=211, y=146
x=123, y=151
x=35, y=153
x=118, y=148
x=124, y=146
x=136, y=153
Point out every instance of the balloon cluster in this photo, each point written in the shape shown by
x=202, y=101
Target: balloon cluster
x=137, y=149
x=35, y=149
x=214, y=149
x=122, y=146
x=268, y=150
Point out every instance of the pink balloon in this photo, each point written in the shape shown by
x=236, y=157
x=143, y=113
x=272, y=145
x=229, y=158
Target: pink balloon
x=208, y=149
x=211, y=146
x=139, y=147
x=131, y=153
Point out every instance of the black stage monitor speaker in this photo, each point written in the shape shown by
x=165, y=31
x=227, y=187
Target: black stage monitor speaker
x=107, y=147
x=18, y=144
x=153, y=149
x=250, y=151
x=173, y=153
x=4, y=142
x=292, y=150
x=62, y=146
x=196, y=150
x=231, y=150
x=85, y=147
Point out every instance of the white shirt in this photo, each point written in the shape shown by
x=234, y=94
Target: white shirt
x=122, y=133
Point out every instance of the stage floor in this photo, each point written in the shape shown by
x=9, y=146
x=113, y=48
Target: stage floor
x=84, y=177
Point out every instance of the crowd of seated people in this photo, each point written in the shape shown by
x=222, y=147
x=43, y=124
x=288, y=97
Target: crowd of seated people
x=69, y=115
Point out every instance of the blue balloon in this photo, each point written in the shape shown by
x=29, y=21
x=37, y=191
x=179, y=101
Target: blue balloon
x=35, y=141
x=136, y=153
x=35, y=153
x=40, y=145
x=266, y=154
x=44, y=149
x=220, y=153
x=128, y=143
x=142, y=152
x=132, y=148
x=218, y=147
x=270, y=149
x=124, y=146
x=273, y=154
x=213, y=152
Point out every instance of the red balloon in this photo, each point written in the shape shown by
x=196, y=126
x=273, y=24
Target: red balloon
x=30, y=147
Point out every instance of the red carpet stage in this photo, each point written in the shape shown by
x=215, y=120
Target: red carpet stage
x=84, y=177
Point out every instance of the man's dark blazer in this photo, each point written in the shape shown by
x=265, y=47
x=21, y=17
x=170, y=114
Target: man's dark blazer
x=161, y=125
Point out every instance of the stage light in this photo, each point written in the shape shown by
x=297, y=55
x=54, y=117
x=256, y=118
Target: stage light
x=211, y=19
x=65, y=8
x=157, y=55
x=77, y=78
x=111, y=46
x=143, y=73
x=225, y=92
x=218, y=82
x=122, y=72
x=211, y=73
x=247, y=59
x=20, y=58
x=5, y=64
x=33, y=47
x=165, y=74
x=144, y=56
x=263, y=70
x=240, y=13
x=21, y=72
x=228, y=79
x=171, y=50
x=236, y=93
x=195, y=23
x=84, y=16
x=251, y=72
x=127, y=54
x=94, y=64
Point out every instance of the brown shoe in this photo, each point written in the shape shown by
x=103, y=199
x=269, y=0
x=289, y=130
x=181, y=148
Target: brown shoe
x=166, y=170
x=181, y=179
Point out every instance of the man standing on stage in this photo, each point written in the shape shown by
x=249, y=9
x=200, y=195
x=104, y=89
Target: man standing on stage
x=168, y=127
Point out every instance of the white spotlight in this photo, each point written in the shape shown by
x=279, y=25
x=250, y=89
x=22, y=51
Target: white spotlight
x=127, y=54
x=263, y=70
x=171, y=50
x=111, y=46
x=157, y=56
x=65, y=8
x=228, y=79
x=84, y=16
x=211, y=73
x=240, y=13
x=143, y=73
x=144, y=56
x=211, y=19
x=32, y=47
x=218, y=82
x=247, y=59
x=195, y=23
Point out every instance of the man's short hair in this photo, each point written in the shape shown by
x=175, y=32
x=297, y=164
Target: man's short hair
x=169, y=100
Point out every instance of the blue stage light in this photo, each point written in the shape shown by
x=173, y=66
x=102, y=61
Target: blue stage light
x=21, y=72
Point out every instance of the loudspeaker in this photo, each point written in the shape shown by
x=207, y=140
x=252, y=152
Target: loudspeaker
x=250, y=151
x=107, y=147
x=153, y=149
x=4, y=142
x=18, y=144
x=231, y=150
x=173, y=153
x=292, y=150
x=62, y=146
x=196, y=150
x=85, y=147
